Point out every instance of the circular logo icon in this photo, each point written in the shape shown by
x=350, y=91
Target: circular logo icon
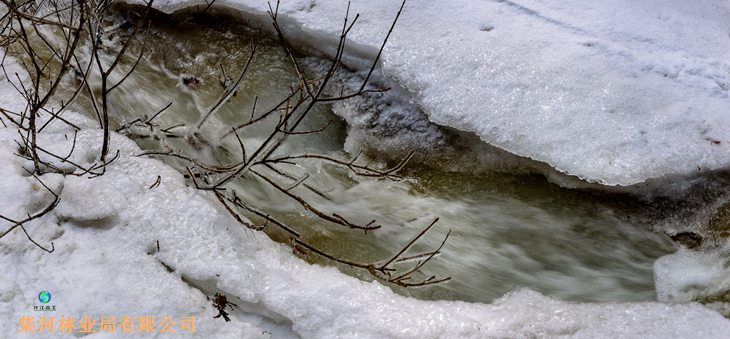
x=44, y=297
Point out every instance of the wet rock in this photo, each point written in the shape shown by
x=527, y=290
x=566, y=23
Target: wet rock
x=690, y=240
x=190, y=81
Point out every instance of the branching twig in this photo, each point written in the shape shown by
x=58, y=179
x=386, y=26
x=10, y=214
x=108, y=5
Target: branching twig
x=21, y=223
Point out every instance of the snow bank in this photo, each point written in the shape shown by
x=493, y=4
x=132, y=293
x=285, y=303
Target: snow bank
x=106, y=262
x=613, y=92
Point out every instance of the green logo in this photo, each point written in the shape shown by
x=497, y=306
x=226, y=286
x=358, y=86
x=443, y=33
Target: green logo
x=44, y=297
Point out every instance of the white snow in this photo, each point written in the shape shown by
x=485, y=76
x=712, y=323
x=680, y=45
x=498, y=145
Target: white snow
x=690, y=275
x=614, y=92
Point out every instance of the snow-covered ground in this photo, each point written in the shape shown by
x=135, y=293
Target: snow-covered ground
x=614, y=92
x=612, y=115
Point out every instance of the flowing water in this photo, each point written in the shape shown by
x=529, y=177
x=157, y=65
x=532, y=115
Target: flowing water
x=507, y=231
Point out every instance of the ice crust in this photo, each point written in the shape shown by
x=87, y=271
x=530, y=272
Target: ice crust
x=106, y=262
x=613, y=92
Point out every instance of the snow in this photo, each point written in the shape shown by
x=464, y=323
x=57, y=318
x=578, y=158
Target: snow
x=689, y=275
x=613, y=92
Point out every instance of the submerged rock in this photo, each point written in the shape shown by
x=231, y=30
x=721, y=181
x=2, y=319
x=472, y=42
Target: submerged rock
x=689, y=239
x=190, y=81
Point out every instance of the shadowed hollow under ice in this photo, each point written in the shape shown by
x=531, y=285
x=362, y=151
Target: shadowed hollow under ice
x=613, y=92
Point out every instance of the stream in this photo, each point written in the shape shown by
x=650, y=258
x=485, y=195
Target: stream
x=508, y=230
